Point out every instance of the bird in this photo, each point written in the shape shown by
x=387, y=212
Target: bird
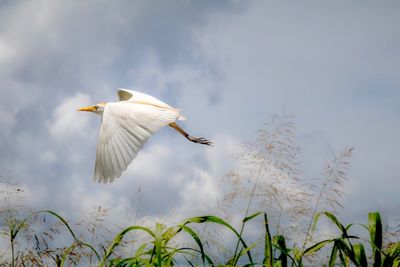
x=125, y=127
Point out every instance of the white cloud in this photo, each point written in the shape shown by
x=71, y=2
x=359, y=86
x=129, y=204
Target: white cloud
x=7, y=121
x=198, y=193
x=7, y=53
x=67, y=122
x=228, y=71
x=273, y=56
x=48, y=157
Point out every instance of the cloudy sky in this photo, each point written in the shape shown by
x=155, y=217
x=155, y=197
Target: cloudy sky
x=229, y=65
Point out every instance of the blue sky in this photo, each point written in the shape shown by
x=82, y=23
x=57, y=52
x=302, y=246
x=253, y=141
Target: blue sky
x=229, y=65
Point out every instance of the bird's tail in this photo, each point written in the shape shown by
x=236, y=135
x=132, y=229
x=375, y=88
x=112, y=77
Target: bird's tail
x=180, y=116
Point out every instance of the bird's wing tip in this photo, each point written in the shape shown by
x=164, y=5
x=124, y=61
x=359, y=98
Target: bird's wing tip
x=102, y=180
x=124, y=94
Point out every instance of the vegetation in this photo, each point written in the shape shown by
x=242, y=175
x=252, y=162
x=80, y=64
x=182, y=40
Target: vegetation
x=280, y=225
x=159, y=250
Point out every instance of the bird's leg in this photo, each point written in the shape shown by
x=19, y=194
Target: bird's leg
x=198, y=140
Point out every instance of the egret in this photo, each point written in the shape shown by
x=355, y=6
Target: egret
x=126, y=125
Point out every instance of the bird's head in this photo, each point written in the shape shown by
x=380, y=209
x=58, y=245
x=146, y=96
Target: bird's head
x=98, y=108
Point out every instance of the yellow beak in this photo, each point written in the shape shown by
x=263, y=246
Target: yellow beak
x=91, y=109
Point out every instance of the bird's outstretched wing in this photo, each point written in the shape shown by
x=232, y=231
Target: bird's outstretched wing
x=125, y=127
x=144, y=99
x=138, y=97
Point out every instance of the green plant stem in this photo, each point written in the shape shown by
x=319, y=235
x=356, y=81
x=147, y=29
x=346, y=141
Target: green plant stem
x=12, y=251
x=268, y=257
x=246, y=214
x=312, y=219
x=278, y=227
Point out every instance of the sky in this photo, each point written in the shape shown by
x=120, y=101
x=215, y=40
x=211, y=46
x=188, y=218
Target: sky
x=229, y=65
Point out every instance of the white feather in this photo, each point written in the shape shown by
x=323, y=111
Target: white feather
x=141, y=98
x=125, y=127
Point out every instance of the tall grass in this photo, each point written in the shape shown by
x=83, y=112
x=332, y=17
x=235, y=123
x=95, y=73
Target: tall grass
x=345, y=248
x=278, y=203
x=269, y=174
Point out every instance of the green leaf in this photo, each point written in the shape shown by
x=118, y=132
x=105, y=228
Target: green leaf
x=248, y=218
x=158, y=234
x=392, y=255
x=245, y=251
x=348, y=251
x=343, y=258
x=15, y=231
x=268, y=256
x=332, y=258
x=318, y=246
x=117, y=240
x=281, y=243
x=335, y=221
x=375, y=231
x=196, y=239
x=360, y=255
x=140, y=250
x=208, y=259
x=217, y=220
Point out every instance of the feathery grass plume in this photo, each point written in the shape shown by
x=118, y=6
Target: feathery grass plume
x=131, y=217
x=334, y=177
x=390, y=233
x=268, y=176
x=12, y=212
x=34, y=239
x=96, y=230
x=12, y=202
x=136, y=206
x=30, y=246
x=330, y=190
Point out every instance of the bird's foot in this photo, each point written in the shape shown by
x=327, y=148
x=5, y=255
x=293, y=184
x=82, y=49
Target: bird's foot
x=200, y=140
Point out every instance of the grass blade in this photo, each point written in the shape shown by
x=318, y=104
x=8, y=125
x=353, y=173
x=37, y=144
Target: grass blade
x=332, y=258
x=196, y=239
x=281, y=243
x=393, y=256
x=375, y=231
x=348, y=251
x=318, y=246
x=217, y=220
x=333, y=218
x=158, y=242
x=207, y=258
x=248, y=218
x=343, y=258
x=268, y=257
x=360, y=255
x=117, y=240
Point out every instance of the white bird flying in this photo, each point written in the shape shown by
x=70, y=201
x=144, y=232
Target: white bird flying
x=125, y=127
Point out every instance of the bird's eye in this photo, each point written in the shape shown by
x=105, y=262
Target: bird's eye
x=96, y=107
